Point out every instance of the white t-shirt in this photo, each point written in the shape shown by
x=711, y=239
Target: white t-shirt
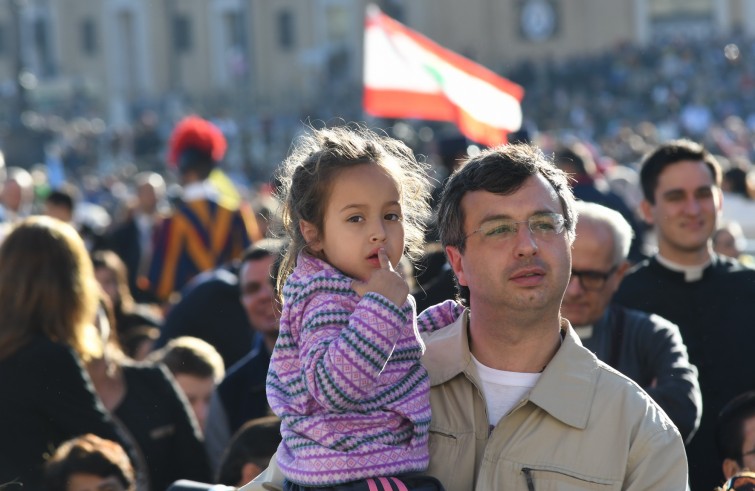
x=503, y=390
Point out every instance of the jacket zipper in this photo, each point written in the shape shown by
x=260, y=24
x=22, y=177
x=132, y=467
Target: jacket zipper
x=527, y=471
x=528, y=477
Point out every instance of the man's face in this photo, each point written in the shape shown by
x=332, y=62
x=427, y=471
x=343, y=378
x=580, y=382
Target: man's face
x=147, y=198
x=684, y=215
x=524, y=273
x=258, y=296
x=11, y=195
x=748, y=444
x=198, y=391
x=592, y=255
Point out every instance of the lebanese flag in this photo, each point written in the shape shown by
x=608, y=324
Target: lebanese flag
x=406, y=75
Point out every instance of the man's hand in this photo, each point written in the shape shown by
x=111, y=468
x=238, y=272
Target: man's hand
x=385, y=281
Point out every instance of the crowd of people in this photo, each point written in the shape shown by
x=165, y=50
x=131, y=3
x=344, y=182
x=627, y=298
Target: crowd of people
x=570, y=310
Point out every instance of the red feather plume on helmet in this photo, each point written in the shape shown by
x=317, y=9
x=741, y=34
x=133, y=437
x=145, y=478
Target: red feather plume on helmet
x=199, y=134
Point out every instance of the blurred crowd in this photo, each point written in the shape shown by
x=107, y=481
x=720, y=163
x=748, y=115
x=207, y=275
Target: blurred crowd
x=171, y=351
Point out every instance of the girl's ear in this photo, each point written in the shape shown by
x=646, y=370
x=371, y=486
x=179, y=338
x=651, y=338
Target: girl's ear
x=311, y=235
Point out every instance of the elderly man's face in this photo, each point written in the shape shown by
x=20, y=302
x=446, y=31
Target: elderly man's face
x=596, y=276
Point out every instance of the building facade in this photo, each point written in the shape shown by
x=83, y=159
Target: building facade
x=297, y=57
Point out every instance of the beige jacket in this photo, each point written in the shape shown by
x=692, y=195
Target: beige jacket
x=584, y=426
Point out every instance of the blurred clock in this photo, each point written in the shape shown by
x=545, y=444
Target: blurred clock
x=538, y=19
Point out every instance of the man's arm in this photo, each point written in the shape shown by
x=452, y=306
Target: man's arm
x=271, y=479
x=657, y=461
x=675, y=385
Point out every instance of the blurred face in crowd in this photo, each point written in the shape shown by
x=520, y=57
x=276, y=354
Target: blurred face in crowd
x=596, y=274
x=258, y=296
x=81, y=481
x=687, y=202
x=725, y=243
x=109, y=282
x=198, y=391
x=11, y=196
x=62, y=213
x=147, y=198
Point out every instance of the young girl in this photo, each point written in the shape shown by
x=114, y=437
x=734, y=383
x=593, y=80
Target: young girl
x=345, y=376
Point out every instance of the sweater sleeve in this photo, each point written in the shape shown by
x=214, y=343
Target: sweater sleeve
x=343, y=352
x=439, y=316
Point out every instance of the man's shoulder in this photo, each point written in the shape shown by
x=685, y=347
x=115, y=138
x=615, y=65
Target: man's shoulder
x=635, y=319
x=248, y=369
x=446, y=353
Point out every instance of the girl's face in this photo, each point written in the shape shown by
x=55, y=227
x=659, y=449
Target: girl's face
x=109, y=283
x=363, y=214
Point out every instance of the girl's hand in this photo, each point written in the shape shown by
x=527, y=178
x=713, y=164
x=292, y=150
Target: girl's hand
x=386, y=281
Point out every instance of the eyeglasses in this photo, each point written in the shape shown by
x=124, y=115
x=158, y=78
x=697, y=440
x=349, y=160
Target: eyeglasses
x=542, y=225
x=743, y=481
x=593, y=281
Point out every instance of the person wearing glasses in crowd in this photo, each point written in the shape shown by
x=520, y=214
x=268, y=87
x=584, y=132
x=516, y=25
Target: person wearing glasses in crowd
x=517, y=402
x=645, y=347
x=735, y=441
x=710, y=297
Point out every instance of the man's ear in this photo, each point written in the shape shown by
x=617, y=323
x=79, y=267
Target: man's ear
x=730, y=467
x=646, y=209
x=622, y=269
x=454, y=259
x=311, y=235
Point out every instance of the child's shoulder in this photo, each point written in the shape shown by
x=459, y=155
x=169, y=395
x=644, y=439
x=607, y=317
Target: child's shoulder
x=316, y=277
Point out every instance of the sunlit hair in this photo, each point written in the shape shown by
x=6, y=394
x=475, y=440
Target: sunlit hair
x=669, y=153
x=189, y=355
x=92, y=455
x=308, y=173
x=47, y=287
x=620, y=229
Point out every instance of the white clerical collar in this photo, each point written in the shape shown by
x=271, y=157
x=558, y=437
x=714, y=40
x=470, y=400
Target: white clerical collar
x=584, y=332
x=199, y=190
x=691, y=273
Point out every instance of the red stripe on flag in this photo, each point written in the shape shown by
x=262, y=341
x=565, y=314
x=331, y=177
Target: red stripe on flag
x=403, y=104
x=484, y=105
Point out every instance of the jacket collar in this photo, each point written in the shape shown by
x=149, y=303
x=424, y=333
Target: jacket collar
x=565, y=389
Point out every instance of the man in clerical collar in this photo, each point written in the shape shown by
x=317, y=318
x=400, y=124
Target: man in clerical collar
x=709, y=297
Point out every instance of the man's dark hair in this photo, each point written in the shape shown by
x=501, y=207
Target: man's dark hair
x=191, y=356
x=88, y=454
x=61, y=197
x=256, y=442
x=730, y=426
x=670, y=153
x=502, y=170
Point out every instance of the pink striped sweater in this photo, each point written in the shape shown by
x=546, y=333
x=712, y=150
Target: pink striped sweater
x=346, y=381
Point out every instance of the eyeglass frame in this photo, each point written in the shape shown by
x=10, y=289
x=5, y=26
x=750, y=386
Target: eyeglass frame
x=560, y=225
x=600, y=275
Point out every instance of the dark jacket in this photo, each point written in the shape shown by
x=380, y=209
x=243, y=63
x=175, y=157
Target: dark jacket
x=210, y=309
x=716, y=317
x=161, y=421
x=241, y=396
x=47, y=398
x=649, y=349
